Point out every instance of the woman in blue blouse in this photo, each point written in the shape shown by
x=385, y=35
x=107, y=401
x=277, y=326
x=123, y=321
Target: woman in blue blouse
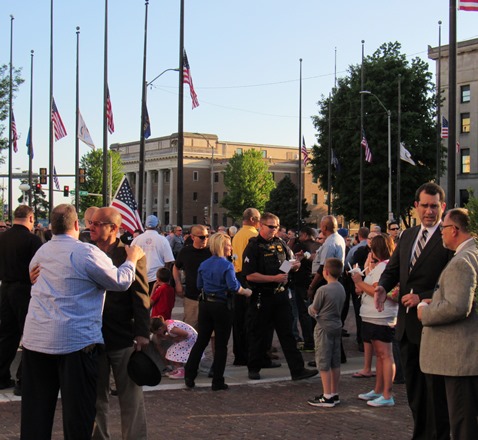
x=217, y=280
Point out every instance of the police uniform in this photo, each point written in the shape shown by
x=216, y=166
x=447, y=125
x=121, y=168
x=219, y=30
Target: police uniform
x=269, y=306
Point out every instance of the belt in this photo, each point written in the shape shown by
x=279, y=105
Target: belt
x=214, y=298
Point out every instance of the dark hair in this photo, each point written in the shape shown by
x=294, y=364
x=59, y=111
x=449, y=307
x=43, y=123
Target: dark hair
x=382, y=246
x=63, y=219
x=431, y=189
x=334, y=266
x=163, y=274
x=156, y=323
x=461, y=218
x=307, y=230
x=22, y=211
x=363, y=232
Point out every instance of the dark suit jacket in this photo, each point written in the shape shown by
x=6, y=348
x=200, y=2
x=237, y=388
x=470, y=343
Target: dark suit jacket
x=422, y=279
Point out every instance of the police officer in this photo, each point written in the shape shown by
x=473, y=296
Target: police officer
x=269, y=306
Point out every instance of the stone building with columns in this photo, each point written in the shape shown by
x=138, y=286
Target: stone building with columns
x=205, y=159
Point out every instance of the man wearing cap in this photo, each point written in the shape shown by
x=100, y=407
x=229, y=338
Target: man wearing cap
x=157, y=249
x=125, y=328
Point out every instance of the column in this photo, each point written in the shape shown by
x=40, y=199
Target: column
x=172, y=209
x=161, y=196
x=149, y=192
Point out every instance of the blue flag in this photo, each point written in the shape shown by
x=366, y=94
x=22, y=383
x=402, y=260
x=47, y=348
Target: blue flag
x=29, y=143
x=146, y=123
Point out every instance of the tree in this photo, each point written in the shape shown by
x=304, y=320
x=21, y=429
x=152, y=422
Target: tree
x=248, y=183
x=418, y=131
x=283, y=203
x=39, y=203
x=4, y=101
x=92, y=162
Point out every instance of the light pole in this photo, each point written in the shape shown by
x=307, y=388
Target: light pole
x=390, y=212
x=24, y=188
x=211, y=201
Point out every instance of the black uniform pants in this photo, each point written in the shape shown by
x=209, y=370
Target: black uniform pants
x=274, y=313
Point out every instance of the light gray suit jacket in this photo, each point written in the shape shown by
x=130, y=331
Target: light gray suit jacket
x=449, y=345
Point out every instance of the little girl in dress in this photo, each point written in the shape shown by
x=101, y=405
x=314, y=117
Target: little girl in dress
x=182, y=338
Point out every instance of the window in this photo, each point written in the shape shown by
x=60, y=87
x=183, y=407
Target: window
x=215, y=198
x=167, y=176
x=465, y=93
x=464, y=197
x=314, y=179
x=216, y=177
x=195, y=197
x=238, y=151
x=224, y=219
x=465, y=160
x=155, y=177
x=314, y=199
x=195, y=219
x=326, y=195
x=264, y=154
x=195, y=176
x=215, y=219
x=224, y=194
x=465, y=122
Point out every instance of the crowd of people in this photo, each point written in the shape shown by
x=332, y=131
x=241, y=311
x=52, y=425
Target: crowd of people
x=82, y=302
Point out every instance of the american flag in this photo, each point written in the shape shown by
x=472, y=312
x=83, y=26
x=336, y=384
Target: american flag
x=305, y=154
x=30, y=143
x=368, y=152
x=444, y=128
x=124, y=202
x=14, y=134
x=58, y=127
x=187, y=79
x=55, y=179
x=468, y=5
x=109, y=112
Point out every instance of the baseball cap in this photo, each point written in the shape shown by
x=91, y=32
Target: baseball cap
x=152, y=221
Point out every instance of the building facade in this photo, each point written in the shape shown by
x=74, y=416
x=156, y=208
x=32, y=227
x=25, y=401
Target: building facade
x=466, y=114
x=205, y=158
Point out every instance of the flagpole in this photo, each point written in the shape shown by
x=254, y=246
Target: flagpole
x=362, y=87
x=143, y=115
x=438, y=158
x=30, y=132
x=10, y=134
x=105, y=122
x=180, y=171
x=299, y=180
x=451, y=176
x=77, y=119
x=399, y=131
x=50, y=170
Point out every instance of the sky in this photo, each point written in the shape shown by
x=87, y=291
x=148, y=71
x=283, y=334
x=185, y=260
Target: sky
x=244, y=59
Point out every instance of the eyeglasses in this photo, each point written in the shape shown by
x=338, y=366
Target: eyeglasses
x=447, y=226
x=97, y=224
x=432, y=206
x=201, y=237
x=394, y=229
x=271, y=226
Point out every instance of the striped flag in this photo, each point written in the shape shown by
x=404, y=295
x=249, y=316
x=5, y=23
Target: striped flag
x=444, y=128
x=109, y=112
x=55, y=179
x=305, y=154
x=14, y=134
x=30, y=143
x=58, y=127
x=124, y=202
x=468, y=5
x=364, y=144
x=187, y=79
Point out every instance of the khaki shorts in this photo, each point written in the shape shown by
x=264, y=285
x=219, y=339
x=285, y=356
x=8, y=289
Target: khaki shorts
x=191, y=310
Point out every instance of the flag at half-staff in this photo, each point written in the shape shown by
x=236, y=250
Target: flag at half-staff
x=125, y=203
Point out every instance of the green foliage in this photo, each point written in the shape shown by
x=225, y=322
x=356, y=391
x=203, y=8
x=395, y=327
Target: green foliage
x=283, y=203
x=4, y=101
x=40, y=205
x=472, y=207
x=382, y=71
x=248, y=183
x=93, y=164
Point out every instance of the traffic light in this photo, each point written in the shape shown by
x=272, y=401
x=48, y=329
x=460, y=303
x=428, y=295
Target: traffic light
x=38, y=188
x=82, y=175
x=66, y=191
x=42, y=176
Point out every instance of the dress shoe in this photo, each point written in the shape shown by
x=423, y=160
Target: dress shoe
x=304, y=374
x=17, y=391
x=219, y=386
x=254, y=375
x=272, y=364
x=312, y=364
x=189, y=382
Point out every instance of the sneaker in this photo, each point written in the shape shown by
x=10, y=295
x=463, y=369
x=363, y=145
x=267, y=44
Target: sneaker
x=381, y=401
x=336, y=399
x=178, y=374
x=369, y=396
x=322, y=401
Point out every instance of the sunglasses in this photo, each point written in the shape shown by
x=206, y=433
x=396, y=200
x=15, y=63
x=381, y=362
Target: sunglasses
x=202, y=237
x=97, y=224
x=394, y=229
x=271, y=226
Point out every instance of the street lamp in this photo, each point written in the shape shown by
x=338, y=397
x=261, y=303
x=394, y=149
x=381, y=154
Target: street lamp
x=24, y=188
x=390, y=213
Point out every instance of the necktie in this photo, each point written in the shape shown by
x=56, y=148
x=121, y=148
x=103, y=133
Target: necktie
x=419, y=248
